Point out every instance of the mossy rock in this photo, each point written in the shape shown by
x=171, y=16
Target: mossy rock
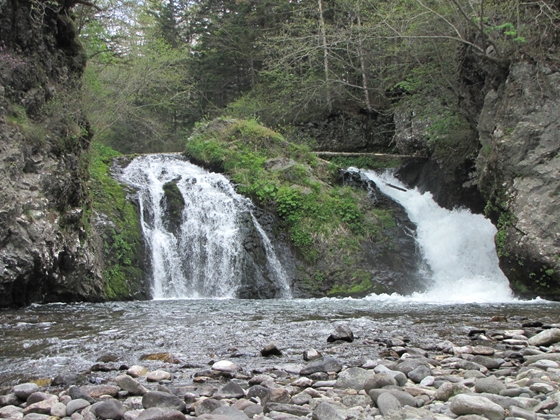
x=334, y=229
x=174, y=204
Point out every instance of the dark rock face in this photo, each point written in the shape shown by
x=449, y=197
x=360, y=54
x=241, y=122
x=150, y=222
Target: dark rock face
x=344, y=132
x=518, y=173
x=44, y=251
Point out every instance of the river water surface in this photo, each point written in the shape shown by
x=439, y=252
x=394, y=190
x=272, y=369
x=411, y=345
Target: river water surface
x=45, y=340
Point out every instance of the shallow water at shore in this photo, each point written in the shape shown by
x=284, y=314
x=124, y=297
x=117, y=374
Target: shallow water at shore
x=45, y=340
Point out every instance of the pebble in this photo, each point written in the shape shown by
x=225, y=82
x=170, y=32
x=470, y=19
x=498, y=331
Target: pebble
x=471, y=381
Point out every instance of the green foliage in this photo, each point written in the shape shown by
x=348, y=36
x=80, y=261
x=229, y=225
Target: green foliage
x=122, y=236
x=286, y=178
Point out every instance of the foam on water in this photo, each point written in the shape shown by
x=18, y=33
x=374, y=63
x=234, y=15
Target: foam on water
x=457, y=245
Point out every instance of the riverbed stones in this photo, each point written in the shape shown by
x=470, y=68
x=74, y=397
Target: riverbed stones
x=11, y=412
x=471, y=404
x=162, y=400
x=270, y=350
x=23, y=391
x=225, y=366
x=311, y=354
x=230, y=390
x=490, y=384
x=58, y=410
x=76, y=405
x=324, y=364
x=158, y=376
x=325, y=411
x=419, y=373
x=96, y=391
x=110, y=409
x=137, y=371
x=130, y=385
x=341, y=332
x=158, y=413
x=388, y=403
x=353, y=378
x=545, y=338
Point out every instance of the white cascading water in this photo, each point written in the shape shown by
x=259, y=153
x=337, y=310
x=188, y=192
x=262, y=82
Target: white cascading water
x=457, y=245
x=204, y=259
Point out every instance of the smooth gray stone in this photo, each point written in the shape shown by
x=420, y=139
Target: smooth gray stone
x=388, y=403
x=505, y=402
x=356, y=400
x=131, y=385
x=58, y=410
x=324, y=364
x=76, y=405
x=36, y=416
x=207, y=406
x=516, y=392
x=397, y=375
x=448, y=390
x=353, y=378
x=110, y=409
x=403, y=397
x=301, y=398
x=419, y=373
x=38, y=396
x=259, y=391
x=76, y=393
x=158, y=413
x=491, y=385
x=471, y=404
x=379, y=380
x=545, y=338
x=163, y=400
x=12, y=412
x=411, y=364
x=341, y=332
x=9, y=399
x=325, y=411
x=253, y=410
x=23, y=391
x=522, y=413
x=230, y=390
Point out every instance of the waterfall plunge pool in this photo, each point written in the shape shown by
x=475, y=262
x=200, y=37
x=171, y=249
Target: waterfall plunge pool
x=46, y=340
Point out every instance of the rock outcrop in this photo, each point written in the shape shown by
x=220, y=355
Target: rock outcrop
x=519, y=173
x=44, y=255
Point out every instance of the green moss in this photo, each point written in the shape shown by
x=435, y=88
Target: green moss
x=325, y=222
x=122, y=234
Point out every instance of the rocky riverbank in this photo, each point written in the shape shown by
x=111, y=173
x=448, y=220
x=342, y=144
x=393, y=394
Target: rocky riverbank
x=503, y=373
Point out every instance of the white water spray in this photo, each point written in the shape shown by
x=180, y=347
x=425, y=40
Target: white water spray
x=456, y=244
x=204, y=258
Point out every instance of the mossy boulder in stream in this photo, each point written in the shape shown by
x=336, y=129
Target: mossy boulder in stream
x=174, y=204
x=343, y=239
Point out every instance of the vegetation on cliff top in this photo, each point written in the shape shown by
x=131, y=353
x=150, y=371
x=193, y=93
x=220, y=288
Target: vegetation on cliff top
x=118, y=224
x=326, y=222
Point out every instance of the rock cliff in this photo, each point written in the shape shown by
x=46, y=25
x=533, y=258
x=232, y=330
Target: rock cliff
x=49, y=250
x=519, y=173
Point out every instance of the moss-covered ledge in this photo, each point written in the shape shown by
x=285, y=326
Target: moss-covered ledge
x=116, y=230
x=340, y=239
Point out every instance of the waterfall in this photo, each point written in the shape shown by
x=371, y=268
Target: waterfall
x=200, y=252
x=457, y=245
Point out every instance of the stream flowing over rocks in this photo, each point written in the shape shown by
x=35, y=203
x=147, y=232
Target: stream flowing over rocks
x=281, y=359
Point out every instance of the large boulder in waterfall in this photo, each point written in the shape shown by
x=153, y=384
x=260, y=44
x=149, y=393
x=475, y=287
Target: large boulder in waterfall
x=302, y=201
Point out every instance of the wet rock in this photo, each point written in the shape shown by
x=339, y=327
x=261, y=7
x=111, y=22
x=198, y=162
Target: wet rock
x=253, y=410
x=545, y=338
x=545, y=364
x=130, y=385
x=303, y=382
x=136, y=371
x=38, y=396
x=410, y=364
x=356, y=400
x=68, y=379
x=279, y=395
x=77, y=393
x=311, y=354
x=35, y=416
x=341, y=333
x=397, y=375
x=158, y=413
x=379, y=380
x=260, y=392
x=353, y=378
x=23, y=391
x=270, y=350
x=161, y=357
x=162, y=400
x=158, y=375
x=324, y=364
x=230, y=390
x=225, y=366
x=207, y=406
x=469, y=404
x=483, y=351
x=325, y=411
x=490, y=384
x=301, y=398
x=110, y=409
x=388, y=403
x=418, y=374
x=76, y=405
